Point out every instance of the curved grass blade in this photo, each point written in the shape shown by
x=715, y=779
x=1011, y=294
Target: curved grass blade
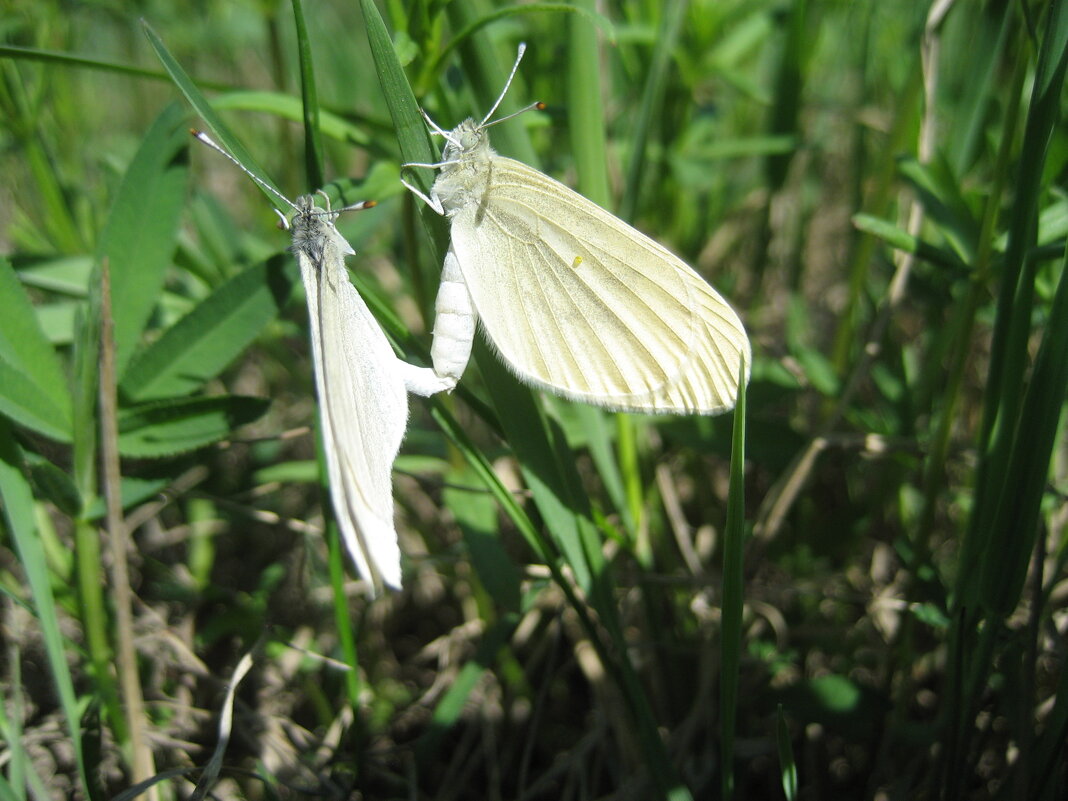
x=290, y=108
x=206, y=112
x=17, y=509
x=56, y=57
x=733, y=599
x=313, y=146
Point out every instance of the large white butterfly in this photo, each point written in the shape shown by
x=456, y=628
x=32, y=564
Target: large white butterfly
x=361, y=384
x=573, y=299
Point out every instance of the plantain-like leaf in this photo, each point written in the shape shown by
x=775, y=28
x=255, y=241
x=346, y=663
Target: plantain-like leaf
x=165, y=428
x=200, y=345
x=33, y=389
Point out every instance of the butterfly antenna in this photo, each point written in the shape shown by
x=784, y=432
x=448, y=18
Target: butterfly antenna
x=436, y=129
x=504, y=91
x=363, y=204
x=207, y=140
x=538, y=106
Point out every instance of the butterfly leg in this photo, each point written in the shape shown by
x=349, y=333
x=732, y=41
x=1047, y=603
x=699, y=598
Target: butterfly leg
x=431, y=200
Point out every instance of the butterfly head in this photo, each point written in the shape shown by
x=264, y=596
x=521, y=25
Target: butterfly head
x=464, y=140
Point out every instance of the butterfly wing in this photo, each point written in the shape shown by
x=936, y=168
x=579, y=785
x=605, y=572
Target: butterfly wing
x=582, y=304
x=363, y=407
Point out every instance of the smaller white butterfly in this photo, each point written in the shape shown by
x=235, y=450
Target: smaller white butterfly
x=361, y=384
x=574, y=300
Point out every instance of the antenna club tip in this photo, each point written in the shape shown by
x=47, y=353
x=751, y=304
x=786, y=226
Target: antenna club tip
x=367, y=204
x=540, y=106
x=195, y=132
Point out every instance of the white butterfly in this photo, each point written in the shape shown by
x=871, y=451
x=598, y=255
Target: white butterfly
x=574, y=300
x=361, y=384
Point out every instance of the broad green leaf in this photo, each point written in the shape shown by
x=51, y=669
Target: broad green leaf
x=944, y=204
x=68, y=275
x=200, y=345
x=57, y=321
x=133, y=490
x=29, y=405
x=897, y=237
x=476, y=512
x=53, y=484
x=33, y=388
x=141, y=231
x=165, y=428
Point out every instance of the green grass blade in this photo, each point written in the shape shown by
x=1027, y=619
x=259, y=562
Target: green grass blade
x=733, y=598
x=287, y=107
x=1016, y=299
x=343, y=623
x=652, y=104
x=58, y=58
x=207, y=113
x=485, y=72
x=972, y=547
x=450, y=708
x=313, y=146
x=409, y=127
x=898, y=238
x=586, y=122
x=787, y=764
x=989, y=38
x=486, y=474
x=998, y=490
x=18, y=512
x=1015, y=527
x=789, y=91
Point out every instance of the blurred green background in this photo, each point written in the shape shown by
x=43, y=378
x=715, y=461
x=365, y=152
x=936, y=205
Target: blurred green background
x=877, y=187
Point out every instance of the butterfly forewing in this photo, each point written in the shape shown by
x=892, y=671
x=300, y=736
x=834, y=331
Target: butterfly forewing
x=582, y=304
x=363, y=404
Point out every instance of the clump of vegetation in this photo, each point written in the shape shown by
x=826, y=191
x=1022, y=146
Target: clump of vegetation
x=862, y=597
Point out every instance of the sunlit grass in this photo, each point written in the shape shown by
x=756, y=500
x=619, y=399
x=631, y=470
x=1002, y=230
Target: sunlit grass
x=581, y=616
